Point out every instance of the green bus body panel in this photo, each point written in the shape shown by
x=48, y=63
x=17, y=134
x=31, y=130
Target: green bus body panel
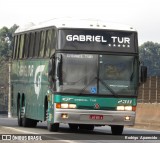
x=88, y=102
x=30, y=79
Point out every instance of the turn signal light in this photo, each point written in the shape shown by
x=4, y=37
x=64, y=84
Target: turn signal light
x=133, y=108
x=58, y=105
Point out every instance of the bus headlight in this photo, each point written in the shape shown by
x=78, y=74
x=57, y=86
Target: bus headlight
x=65, y=106
x=128, y=108
x=124, y=108
x=120, y=108
x=73, y=106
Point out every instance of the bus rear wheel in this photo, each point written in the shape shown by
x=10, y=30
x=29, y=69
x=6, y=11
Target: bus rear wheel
x=117, y=129
x=33, y=123
x=29, y=122
x=25, y=122
x=19, y=117
x=53, y=127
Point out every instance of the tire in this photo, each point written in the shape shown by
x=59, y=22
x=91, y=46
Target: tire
x=73, y=127
x=53, y=127
x=117, y=129
x=19, y=117
x=33, y=123
x=25, y=122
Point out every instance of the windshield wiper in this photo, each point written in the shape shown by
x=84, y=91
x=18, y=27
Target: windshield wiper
x=103, y=83
x=84, y=88
x=107, y=86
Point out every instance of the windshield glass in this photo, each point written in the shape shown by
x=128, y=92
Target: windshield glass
x=78, y=71
x=119, y=73
x=97, y=74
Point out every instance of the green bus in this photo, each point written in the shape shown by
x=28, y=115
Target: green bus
x=83, y=73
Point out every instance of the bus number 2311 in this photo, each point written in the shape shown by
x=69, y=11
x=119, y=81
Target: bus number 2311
x=125, y=102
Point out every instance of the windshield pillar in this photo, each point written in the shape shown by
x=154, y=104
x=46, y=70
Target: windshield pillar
x=58, y=69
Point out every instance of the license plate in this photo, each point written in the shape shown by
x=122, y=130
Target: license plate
x=96, y=117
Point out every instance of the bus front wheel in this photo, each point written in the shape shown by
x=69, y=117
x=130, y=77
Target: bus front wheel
x=117, y=129
x=53, y=127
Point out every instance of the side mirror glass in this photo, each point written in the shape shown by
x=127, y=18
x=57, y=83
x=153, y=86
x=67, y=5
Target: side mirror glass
x=143, y=74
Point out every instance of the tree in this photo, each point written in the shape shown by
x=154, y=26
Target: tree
x=150, y=56
x=10, y=35
x=6, y=42
x=6, y=46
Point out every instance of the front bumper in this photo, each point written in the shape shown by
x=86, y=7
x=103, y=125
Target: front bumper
x=81, y=116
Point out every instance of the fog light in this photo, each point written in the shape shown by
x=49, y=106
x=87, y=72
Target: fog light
x=127, y=118
x=64, y=116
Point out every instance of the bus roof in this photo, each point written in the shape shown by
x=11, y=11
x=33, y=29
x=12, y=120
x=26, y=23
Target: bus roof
x=75, y=23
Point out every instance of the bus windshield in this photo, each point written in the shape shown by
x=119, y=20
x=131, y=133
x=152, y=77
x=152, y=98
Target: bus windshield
x=98, y=74
x=77, y=72
x=120, y=73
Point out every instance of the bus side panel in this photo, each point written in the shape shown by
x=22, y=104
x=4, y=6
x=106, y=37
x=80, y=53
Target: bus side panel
x=14, y=88
x=29, y=78
x=38, y=85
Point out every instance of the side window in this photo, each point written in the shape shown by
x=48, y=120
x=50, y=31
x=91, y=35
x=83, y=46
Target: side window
x=50, y=42
x=34, y=44
x=42, y=44
x=14, y=49
x=26, y=46
x=47, y=49
x=37, y=44
x=50, y=38
x=31, y=45
x=53, y=42
x=17, y=47
x=21, y=46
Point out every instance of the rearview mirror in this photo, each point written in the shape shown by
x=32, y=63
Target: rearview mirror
x=143, y=74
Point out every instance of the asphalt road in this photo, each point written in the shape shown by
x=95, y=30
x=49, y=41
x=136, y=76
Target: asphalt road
x=100, y=134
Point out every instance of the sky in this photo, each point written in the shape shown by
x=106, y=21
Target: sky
x=143, y=15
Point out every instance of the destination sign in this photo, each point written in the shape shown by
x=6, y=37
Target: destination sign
x=98, y=40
